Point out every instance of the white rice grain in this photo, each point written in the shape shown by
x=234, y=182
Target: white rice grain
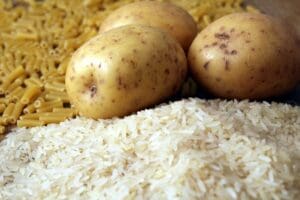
x=189, y=149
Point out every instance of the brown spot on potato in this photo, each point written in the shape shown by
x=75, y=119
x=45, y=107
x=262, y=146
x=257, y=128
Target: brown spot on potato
x=205, y=66
x=214, y=44
x=93, y=90
x=134, y=50
x=262, y=31
x=133, y=63
x=103, y=47
x=223, y=46
x=206, y=46
x=205, y=36
x=121, y=84
x=99, y=65
x=247, y=41
x=232, y=30
x=227, y=65
x=136, y=84
x=222, y=36
x=218, y=79
x=176, y=60
x=167, y=71
x=233, y=52
x=113, y=101
x=252, y=49
x=116, y=40
x=278, y=51
x=222, y=28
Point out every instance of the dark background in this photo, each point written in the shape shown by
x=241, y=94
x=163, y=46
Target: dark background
x=288, y=10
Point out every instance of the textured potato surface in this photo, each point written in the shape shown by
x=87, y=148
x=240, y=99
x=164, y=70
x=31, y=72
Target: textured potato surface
x=169, y=17
x=124, y=70
x=245, y=56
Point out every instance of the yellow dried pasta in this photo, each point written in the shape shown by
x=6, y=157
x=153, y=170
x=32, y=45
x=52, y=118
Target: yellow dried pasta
x=19, y=71
x=13, y=86
x=29, y=109
x=2, y=108
x=34, y=57
x=2, y=129
x=54, y=95
x=31, y=92
x=16, y=112
x=52, y=119
x=29, y=123
x=48, y=106
x=15, y=94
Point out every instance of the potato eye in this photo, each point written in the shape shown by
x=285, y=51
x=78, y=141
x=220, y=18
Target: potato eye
x=93, y=90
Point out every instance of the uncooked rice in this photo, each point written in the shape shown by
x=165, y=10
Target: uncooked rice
x=189, y=149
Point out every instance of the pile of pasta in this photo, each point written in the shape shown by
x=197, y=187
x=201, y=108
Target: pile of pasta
x=38, y=38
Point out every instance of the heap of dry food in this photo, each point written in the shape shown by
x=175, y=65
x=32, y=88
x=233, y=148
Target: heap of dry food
x=37, y=39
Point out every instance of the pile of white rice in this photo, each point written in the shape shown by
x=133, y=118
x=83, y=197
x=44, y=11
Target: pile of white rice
x=190, y=149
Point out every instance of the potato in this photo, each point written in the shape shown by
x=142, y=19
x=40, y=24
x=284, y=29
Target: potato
x=124, y=70
x=166, y=16
x=245, y=56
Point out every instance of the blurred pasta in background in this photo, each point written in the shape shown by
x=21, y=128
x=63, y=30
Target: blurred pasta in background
x=37, y=39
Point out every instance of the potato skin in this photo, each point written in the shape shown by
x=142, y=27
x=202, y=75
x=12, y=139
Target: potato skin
x=124, y=70
x=166, y=16
x=245, y=56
